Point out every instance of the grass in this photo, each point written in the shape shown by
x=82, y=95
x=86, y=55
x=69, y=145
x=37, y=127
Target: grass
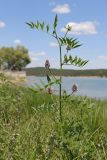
x=30, y=128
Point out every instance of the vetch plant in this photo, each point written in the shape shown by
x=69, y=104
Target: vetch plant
x=47, y=64
x=74, y=88
x=66, y=59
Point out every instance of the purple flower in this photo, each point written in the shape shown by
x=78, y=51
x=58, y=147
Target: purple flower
x=49, y=91
x=68, y=48
x=74, y=88
x=47, y=64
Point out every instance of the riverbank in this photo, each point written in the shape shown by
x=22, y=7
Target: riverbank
x=31, y=128
x=14, y=76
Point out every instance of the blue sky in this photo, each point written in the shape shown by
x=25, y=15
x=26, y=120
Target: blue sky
x=88, y=18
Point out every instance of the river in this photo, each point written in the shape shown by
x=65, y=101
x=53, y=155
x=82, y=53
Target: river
x=91, y=87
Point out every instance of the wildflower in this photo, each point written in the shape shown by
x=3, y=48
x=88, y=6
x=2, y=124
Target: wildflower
x=68, y=48
x=74, y=88
x=49, y=91
x=47, y=64
x=68, y=28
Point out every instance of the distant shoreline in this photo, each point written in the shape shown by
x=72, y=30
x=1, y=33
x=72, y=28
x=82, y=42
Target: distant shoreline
x=86, y=76
x=71, y=76
x=89, y=73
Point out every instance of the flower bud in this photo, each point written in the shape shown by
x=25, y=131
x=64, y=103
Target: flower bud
x=74, y=88
x=47, y=64
x=49, y=91
x=69, y=28
x=68, y=48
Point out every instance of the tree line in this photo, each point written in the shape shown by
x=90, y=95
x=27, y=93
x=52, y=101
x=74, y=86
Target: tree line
x=41, y=71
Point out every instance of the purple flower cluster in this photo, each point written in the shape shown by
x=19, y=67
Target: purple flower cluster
x=74, y=88
x=47, y=64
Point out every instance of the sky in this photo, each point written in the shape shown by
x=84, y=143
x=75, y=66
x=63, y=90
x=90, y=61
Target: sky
x=88, y=19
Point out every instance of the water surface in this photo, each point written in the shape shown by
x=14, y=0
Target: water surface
x=92, y=87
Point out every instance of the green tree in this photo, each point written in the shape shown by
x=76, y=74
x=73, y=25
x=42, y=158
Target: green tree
x=14, y=58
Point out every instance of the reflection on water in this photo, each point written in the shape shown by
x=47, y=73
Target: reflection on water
x=93, y=87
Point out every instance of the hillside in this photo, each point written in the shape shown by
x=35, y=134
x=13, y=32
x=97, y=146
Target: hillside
x=41, y=71
x=30, y=128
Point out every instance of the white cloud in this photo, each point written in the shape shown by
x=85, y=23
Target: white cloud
x=17, y=41
x=85, y=28
x=33, y=63
x=53, y=44
x=61, y=9
x=2, y=24
x=42, y=53
x=36, y=58
x=35, y=55
x=99, y=62
x=102, y=58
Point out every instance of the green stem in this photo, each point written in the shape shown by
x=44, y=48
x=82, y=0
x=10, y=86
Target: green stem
x=52, y=74
x=66, y=34
x=49, y=33
x=60, y=85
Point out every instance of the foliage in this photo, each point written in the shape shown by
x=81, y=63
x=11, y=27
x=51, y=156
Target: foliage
x=30, y=126
x=14, y=58
x=69, y=42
